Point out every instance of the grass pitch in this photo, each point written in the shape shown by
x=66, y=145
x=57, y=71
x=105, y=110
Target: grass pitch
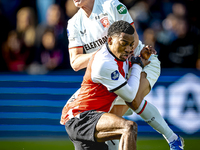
x=142, y=144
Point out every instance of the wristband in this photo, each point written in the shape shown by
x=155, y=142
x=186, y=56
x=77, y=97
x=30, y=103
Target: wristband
x=137, y=60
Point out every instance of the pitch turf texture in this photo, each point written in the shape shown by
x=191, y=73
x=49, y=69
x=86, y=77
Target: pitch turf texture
x=142, y=144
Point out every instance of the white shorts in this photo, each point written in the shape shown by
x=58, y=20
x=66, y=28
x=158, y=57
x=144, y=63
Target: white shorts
x=152, y=70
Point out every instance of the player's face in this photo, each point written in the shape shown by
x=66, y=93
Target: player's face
x=122, y=45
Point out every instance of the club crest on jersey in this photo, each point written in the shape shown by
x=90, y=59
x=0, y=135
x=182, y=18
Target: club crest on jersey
x=104, y=21
x=121, y=9
x=115, y=75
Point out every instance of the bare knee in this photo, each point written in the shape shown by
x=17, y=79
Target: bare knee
x=130, y=127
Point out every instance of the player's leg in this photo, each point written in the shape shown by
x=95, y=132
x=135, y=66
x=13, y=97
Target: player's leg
x=91, y=129
x=81, y=131
x=117, y=128
x=153, y=72
x=120, y=108
x=146, y=110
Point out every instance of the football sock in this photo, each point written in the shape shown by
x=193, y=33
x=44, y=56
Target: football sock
x=150, y=114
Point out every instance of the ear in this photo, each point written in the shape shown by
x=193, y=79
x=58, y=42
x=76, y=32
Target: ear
x=109, y=40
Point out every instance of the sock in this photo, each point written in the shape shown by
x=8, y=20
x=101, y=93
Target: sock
x=150, y=114
x=172, y=138
x=113, y=145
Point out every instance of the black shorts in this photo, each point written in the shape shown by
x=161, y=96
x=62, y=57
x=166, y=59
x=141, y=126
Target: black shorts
x=81, y=131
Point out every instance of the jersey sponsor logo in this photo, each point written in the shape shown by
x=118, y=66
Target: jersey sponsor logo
x=115, y=75
x=104, y=21
x=121, y=9
x=95, y=44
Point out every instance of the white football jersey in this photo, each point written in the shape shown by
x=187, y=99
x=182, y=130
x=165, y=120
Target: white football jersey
x=108, y=70
x=91, y=33
x=104, y=75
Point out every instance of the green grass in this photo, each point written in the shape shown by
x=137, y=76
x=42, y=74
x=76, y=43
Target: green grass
x=36, y=145
x=161, y=144
x=142, y=144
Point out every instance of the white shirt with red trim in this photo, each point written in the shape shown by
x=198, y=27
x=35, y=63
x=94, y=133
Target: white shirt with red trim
x=104, y=75
x=91, y=33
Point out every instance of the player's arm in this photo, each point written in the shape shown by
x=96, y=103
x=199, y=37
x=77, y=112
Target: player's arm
x=108, y=74
x=128, y=92
x=78, y=59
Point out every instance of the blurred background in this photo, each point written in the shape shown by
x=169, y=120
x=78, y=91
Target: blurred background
x=36, y=79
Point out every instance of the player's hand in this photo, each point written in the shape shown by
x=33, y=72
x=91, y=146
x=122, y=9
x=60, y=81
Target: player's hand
x=147, y=51
x=145, y=61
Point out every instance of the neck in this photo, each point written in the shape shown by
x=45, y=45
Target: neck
x=87, y=8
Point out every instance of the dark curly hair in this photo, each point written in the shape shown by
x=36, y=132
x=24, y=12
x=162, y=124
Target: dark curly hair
x=120, y=26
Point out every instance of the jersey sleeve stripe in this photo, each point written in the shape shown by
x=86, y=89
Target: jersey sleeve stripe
x=118, y=87
x=132, y=23
x=76, y=47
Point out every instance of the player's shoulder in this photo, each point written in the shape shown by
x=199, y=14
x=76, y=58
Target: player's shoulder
x=109, y=3
x=102, y=67
x=76, y=18
x=104, y=59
